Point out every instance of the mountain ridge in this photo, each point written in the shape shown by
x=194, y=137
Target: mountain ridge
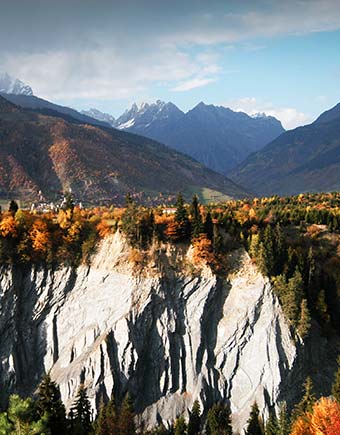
x=43, y=153
x=306, y=159
x=216, y=136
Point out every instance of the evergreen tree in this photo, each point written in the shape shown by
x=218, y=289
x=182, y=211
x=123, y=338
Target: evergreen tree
x=13, y=207
x=254, y=422
x=194, y=419
x=82, y=412
x=112, y=416
x=196, y=218
x=180, y=426
x=219, y=420
x=272, y=425
x=126, y=423
x=49, y=403
x=101, y=427
x=305, y=319
x=209, y=226
x=307, y=401
x=283, y=420
x=181, y=218
x=336, y=384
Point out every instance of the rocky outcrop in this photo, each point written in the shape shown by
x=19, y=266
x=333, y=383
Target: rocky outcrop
x=168, y=336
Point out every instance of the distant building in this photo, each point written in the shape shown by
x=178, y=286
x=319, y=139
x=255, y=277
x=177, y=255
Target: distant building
x=169, y=210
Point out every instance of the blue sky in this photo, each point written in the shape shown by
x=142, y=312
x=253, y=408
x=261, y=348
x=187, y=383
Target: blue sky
x=281, y=58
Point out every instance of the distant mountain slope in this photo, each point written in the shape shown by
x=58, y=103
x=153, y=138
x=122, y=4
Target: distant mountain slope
x=49, y=154
x=216, y=136
x=11, y=85
x=300, y=160
x=100, y=116
x=44, y=106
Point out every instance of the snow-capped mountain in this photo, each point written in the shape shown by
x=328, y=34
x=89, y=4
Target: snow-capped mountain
x=11, y=85
x=214, y=135
x=100, y=116
x=144, y=116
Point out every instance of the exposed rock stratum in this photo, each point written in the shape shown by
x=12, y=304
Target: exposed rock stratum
x=169, y=337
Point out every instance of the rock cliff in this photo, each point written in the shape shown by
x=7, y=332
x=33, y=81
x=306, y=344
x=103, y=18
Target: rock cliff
x=168, y=336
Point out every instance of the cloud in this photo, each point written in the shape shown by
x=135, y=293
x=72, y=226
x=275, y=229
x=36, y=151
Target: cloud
x=192, y=84
x=76, y=49
x=289, y=116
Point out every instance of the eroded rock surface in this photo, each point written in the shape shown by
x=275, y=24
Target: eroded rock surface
x=169, y=337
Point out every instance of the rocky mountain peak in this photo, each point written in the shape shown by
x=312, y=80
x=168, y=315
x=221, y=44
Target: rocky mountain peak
x=11, y=85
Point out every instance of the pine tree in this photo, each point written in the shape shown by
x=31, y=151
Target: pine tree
x=209, y=226
x=13, y=207
x=283, y=420
x=254, y=422
x=272, y=425
x=336, y=384
x=112, y=416
x=181, y=218
x=305, y=319
x=307, y=401
x=49, y=403
x=82, y=412
x=101, y=422
x=219, y=420
x=180, y=426
x=126, y=417
x=194, y=419
x=196, y=218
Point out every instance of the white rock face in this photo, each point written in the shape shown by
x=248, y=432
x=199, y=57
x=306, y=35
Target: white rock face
x=168, y=337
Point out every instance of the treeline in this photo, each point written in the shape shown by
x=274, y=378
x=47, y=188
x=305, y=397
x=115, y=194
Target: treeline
x=46, y=415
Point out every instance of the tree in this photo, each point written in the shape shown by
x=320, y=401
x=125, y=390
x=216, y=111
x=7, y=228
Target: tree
x=305, y=319
x=49, y=403
x=82, y=412
x=307, y=401
x=209, y=226
x=111, y=416
x=20, y=419
x=13, y=207
x=194, y=424
x=180, y=426
x=181, y=218
x=336, y=384
x=126, y=417
x=219, y=420
x=254, y=422
x=272, y=425
x=196, y=218
x=283, y=420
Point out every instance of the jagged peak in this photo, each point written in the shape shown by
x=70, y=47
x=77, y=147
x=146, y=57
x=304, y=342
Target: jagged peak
x=12, y=85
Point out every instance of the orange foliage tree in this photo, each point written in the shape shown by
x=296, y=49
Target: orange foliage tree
x=323, y=420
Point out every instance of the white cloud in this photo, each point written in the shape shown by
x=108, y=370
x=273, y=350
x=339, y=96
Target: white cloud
x=289, y=116
x=192, y=84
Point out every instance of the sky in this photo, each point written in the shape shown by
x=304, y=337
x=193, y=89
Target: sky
x=278, y=57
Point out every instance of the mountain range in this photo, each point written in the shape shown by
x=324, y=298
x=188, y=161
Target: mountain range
x=306, y=159
x=216, y=136
x=51, y=154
